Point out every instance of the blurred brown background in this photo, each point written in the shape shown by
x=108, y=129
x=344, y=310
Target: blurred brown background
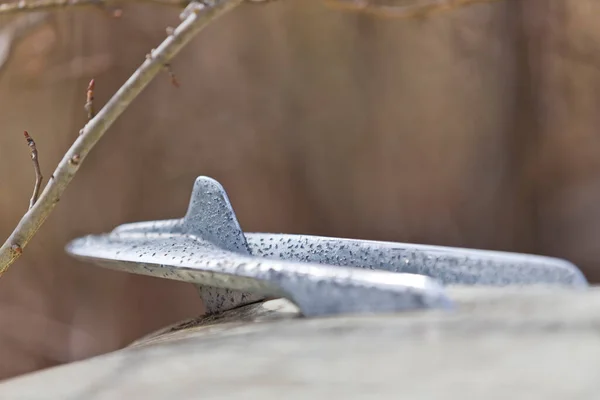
x=476, y=128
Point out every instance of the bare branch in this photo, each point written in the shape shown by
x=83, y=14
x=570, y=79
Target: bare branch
x=402, y=8
x=36, y=167
x=45, y=5
x=198, y=18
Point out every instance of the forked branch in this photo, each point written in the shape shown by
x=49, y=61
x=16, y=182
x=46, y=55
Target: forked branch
x=22, y=6
x=198, y=17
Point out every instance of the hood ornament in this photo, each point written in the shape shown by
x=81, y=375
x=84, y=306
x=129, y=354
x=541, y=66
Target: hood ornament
x=321, y=275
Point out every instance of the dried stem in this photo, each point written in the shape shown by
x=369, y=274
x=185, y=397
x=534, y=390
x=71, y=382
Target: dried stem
x=89, y=103
x=409, y=9
x=36, y=167
x=44, y=5
x=194, y=22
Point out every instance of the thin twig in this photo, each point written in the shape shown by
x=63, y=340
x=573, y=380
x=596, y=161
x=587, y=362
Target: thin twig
x=93, y=131
x=89, y=103
x=410, y=9
x=43, y=5
x=36, y=167
x=17, y=29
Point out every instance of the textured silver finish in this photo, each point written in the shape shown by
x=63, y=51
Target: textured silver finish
x=449, y=265
x=321, y=275
x=211, y=218
x=208, y=248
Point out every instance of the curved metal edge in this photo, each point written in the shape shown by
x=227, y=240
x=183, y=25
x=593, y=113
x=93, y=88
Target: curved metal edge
x=316, y=289
x=448, y=265
x=211, y=217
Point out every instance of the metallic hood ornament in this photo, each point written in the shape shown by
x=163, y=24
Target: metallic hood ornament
x=322, y=276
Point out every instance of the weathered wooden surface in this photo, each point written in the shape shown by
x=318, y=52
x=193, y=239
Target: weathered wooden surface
x=500, y=345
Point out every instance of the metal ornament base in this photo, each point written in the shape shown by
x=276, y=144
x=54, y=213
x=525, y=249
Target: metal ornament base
x=322, y=276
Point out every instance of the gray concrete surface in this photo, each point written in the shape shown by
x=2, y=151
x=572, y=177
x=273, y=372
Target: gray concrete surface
x=500, y=344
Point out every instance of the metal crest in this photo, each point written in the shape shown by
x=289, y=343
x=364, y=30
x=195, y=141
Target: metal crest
x=322, y=276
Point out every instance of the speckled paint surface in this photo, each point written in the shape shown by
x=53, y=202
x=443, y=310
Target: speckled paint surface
x=321, y=275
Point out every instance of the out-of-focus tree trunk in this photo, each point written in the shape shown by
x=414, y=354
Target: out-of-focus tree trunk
x=566, y=159
x=472, y=128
